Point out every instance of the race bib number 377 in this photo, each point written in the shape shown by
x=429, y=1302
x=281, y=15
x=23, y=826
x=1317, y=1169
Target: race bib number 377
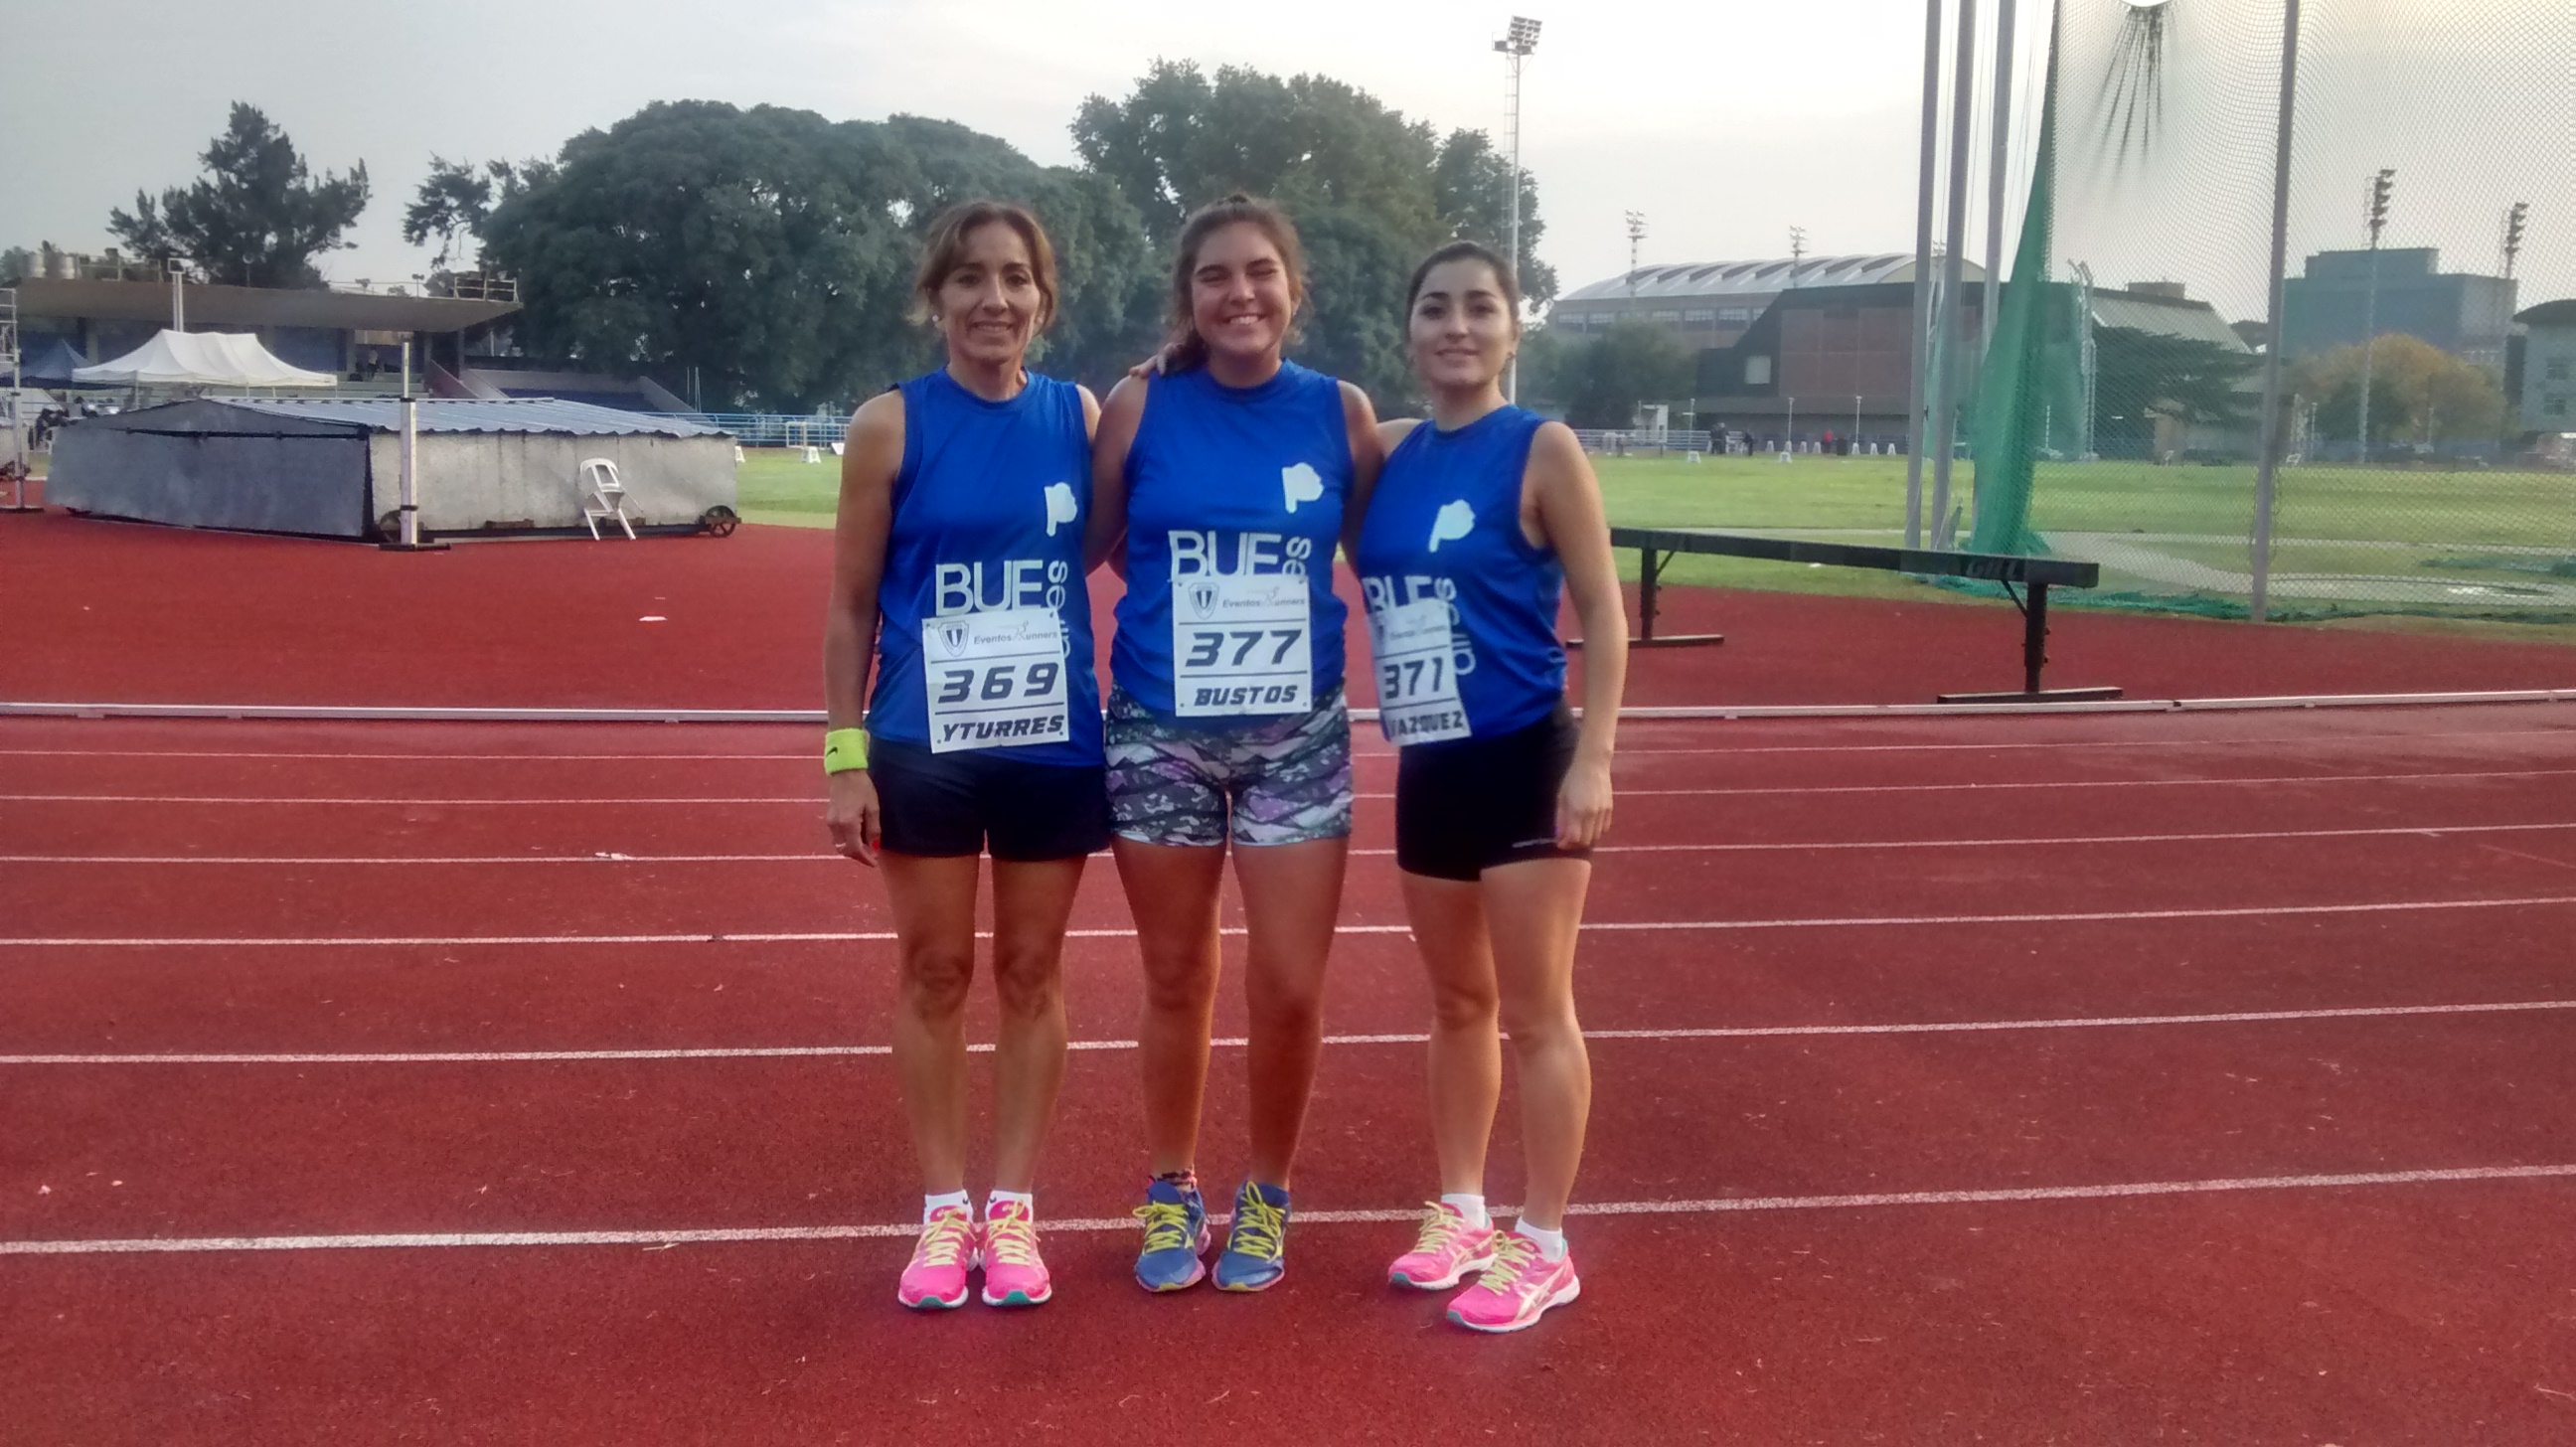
x=1240, y=645
x=1417, y=674
x=994, y=679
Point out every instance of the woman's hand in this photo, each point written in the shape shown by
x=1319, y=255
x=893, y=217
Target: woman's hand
x=1583, y=804
x=852, y=816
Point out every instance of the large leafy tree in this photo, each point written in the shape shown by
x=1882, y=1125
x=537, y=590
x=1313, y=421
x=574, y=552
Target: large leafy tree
x=1602, y=379
x=259, y=215
x=2140, y=376
x=2418, y=393
x=1371, y=192
x=773, y=250
x=454, y=203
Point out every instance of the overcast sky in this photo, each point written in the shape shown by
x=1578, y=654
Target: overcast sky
x=1724, y=123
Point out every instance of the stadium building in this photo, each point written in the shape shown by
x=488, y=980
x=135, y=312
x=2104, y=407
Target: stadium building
x=2541, y=383
x=2399, y=289
x=1826, y=344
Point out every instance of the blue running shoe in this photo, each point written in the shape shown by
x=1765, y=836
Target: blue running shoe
x=1176, y=1232
x=1256, y=1250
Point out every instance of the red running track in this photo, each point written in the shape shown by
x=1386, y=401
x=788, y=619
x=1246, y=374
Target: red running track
x=1924, y=1131
x=123, y=612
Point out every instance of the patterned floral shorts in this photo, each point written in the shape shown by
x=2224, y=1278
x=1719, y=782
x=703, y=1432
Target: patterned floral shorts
x=1279, y=780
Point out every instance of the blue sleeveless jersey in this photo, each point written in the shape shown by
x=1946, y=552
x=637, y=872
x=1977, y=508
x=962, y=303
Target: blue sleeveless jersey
x=988, y=514
x=1232, y=484
x=1461, y=607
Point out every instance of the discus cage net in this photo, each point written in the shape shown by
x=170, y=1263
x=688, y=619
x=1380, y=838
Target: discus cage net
x=2117, y=415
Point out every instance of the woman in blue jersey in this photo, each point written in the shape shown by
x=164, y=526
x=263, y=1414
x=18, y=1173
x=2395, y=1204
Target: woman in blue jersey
x=958, y=570
x=1483, y=519
x=1231, y=475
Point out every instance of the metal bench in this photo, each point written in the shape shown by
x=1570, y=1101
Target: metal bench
x=2036, y=576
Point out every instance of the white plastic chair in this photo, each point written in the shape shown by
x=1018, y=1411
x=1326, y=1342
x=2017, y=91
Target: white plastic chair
x=603, y=496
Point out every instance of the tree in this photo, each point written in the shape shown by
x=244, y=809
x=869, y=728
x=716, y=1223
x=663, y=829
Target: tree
x=1473, y=182
x=2418, y=393
x=2140, y=376
x=1602, y=379
x=16, y=264
x=456, y=200
x=258, y=217
x=1371, y=192
x=773, y=250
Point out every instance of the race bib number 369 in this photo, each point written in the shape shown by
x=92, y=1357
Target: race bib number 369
x=994, y=679
x=1240, y=645
x=1417, y=674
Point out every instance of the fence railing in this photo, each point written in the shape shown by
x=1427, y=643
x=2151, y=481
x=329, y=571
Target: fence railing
x=771, y=429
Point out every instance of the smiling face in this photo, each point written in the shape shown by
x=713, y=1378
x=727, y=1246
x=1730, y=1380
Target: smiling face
x=1242, y=294
x=989, y=304
x=1462, y=330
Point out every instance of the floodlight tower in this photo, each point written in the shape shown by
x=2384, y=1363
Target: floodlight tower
x=2375, y=215
x=2516, y=219
x=1636, y=239
x=1515, y=46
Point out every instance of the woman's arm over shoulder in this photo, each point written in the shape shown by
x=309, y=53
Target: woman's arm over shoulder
x=1113, y=433
x=1393, y=431
x=1368, y=454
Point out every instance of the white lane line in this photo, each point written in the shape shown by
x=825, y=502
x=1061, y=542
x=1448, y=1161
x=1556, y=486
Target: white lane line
x=2251, y=741
x=812, y=800
x=716, y=1236
x=1610, y=926
x=2425, y=831
x=1716, y=1032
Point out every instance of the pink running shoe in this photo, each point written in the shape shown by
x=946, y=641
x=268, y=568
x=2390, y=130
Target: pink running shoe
x=1517, y=1289
x=1013, y=1273
x=1444, y=1253
x=947, y=1250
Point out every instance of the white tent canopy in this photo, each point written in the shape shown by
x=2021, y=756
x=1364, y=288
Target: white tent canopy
x=201, y=359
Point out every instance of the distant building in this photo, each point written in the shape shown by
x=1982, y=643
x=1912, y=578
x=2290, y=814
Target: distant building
x=2546, y=399
x=1821, y=331
x=104, y=307
x=2468, y=316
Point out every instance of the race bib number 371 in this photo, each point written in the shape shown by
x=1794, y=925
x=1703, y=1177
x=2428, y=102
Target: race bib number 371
x=994, y=679
x=1240, y=645
x=1417, y=674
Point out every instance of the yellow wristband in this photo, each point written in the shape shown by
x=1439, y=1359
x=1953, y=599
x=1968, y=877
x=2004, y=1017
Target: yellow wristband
x=844, y=750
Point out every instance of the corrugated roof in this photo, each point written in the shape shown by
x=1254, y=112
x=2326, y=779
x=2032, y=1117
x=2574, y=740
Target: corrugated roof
x=2197, y=321
x=214, y=305
x=476, y=414
x=1756, y=278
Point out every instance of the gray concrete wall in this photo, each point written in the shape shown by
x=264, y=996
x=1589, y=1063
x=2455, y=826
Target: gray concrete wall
x=474, y=480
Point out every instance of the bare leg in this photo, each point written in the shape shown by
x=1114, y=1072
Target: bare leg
x=1172, y=893
x=1031, y=901
x=1292, y=897
x=933, y=901
x=1533, y=911
x=1448, y=919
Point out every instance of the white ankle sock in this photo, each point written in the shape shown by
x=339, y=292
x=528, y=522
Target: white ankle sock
x=933, y=1205
x=995, y=1201
x=1471, y=1207
x=1551, y=1244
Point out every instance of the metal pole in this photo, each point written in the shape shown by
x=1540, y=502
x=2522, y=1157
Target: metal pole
x=410, y=456
x=2265, y=465
x=1945, y=383
x=1512, y=369
x=1923, y=274
x=1998, y=161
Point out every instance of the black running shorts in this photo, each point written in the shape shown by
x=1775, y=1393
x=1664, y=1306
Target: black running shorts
x=942, y=806
x=1464, y=806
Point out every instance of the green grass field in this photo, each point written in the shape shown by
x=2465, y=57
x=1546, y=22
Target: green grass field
x=2465, y=542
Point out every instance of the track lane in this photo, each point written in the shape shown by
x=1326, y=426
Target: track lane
x=115, y=1151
